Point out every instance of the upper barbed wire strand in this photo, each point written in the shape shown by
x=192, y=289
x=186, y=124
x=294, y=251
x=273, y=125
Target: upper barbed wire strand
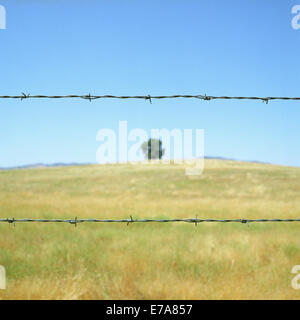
x=144, y=97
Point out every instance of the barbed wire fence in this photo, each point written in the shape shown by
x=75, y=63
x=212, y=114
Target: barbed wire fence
x=144, y=97
x=131, y=220
x=148, y=97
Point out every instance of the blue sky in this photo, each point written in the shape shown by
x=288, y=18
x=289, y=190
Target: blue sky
x=149, y=47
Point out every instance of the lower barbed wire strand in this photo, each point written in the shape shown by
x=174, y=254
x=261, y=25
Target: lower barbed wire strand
x=131, y=220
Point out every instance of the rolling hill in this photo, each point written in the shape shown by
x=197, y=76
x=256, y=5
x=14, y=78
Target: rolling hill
x=153, y=260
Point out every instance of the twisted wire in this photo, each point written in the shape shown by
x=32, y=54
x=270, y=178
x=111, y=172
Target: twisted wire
x=131, y=220
x=144, y=97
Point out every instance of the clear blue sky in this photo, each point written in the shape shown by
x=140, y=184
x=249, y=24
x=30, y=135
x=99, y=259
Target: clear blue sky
x=149, y=47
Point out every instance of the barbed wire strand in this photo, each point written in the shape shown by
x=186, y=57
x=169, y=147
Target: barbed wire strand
x=144, y=97
x=131, y=220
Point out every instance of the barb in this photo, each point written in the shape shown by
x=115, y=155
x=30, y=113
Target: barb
x=131, y=220
x=75, y=221
x=147, y=97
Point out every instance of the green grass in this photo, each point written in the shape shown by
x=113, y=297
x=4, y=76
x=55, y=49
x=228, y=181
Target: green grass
x=153, y=260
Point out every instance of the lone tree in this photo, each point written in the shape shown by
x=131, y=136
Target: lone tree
x=152, y=149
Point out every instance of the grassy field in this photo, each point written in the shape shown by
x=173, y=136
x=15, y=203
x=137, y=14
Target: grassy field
x=150, y=261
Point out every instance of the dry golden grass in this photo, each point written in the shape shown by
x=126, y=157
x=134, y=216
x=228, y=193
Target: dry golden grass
x=150, y=261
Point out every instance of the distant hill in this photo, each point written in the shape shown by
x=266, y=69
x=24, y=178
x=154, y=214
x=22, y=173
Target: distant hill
x=44, y=165
x=62, y=164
